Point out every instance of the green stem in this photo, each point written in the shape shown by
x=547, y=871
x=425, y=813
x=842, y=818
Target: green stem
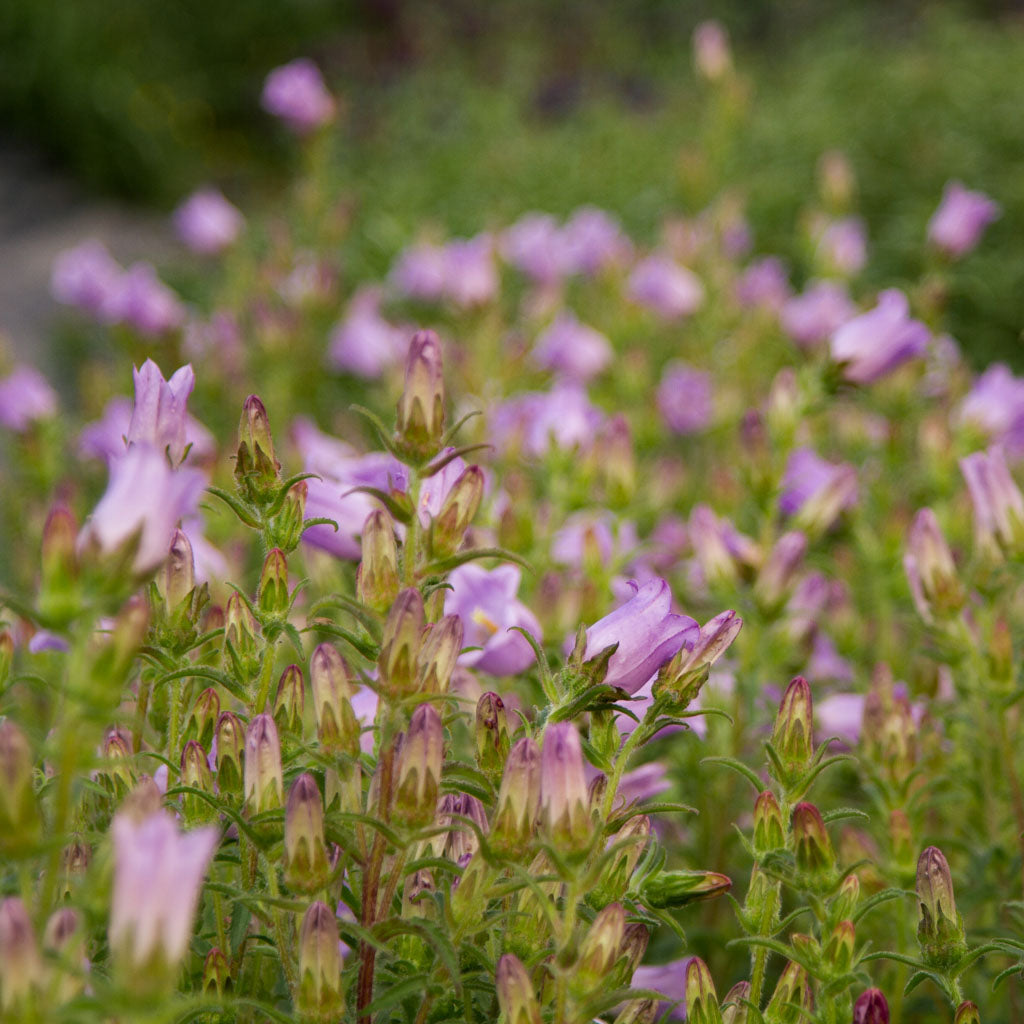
x=141, y=710
x=284, y=943
x=174, y=727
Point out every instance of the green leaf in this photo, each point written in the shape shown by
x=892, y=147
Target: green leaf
x=447, y=439
x=240, y=918
x=417, y=985
x=843, y=814
x=443, y=460
x=737, y=766
x=366, y=648
x=206, y=672
x=462, y=557
x=235, y=505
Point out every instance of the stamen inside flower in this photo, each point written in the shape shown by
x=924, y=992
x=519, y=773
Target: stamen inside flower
x=481, y=618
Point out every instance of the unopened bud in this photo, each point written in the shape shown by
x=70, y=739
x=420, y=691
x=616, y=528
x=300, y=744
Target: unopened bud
x=421, y=407
x=64, y=941
x=287, y=527
x=177, y=578
x=778, y=575
x=440, y=649
x=264, y=785
x=59, y=563
x=6, y=655
x=515, y=992
x=966, y=1013
x=815, y=858
x=257, y=470
x=564, y=813
x=837, y=184
x=1000, y=652
x=492, y=739
x=701, y=998
x=273, y=590
x=20, y=965
x=462, y=840
x=783, y=411
x=202, y=719
x=871, y=1008
x=230, y=747
x=336, y=724
x=19, y=816
x=769, y=828
x=377, y=580
x=734, y=1005
x=678, y=888
x=518, y=802
x=839, y=950
x=305, y=852
x=419, y=768
x=600, y=949
x=639, y=1011
x=195, y=773
x=632, y=838
x=901, y=838
x=458, y=511
x=240, y=630
x=290, y=701
x=845, y=901
x=792, y=996
x=216, y=972
x=320, y=995
x=931, y=572
x=793, y=733
x=617, y=460
x=635, y=939
x=400, y=645
x=940, y=929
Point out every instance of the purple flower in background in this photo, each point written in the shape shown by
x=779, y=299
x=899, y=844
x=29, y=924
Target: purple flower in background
x=957, y=225
x=470, y=275
x=210, y=564
x=871, y=345
x=158, y=874
x=648, y=634
x=25, y=397
x=206, y=222
x=159, y=415
x=86, y=277
x=571, y=348
x=649, y=780
x=364, y=343
x=826, y=663
x=145, y=497
x=712, y=56
x=145, y=303
x=487, y=604
x=763, y=285
x=817, y=313
x=562, y=417
x=661, y=285
x=815, y=491
x=995, y=406
x=43, y=640
x=420, y=271
x=668, y=979
x=840, y=715
x=685, y=398
x=534, y=245
x=592, y=531
x=843, y=246
x=593, y=240
x=435, y=489
x=296, y=93
x=998, y=503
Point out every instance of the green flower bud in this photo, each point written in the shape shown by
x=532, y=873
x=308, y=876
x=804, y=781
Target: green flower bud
x=599, y=951
x=634, y=945
x=20, y=966
x=421, y=407
x=901, y=838
x=638, y=1011
x=442, y=644
x=839, y=950
x=377, y=579
x=701, y=998
x=273, y=589
x=287, y=526
x=492, y=739
x=769, y=828
x=793, y=734
x=195, y=772
x=305, y=853
x=320, y=996
x=512, y=830
x=966, y=1013
x=177, y=577
x=678, y=888
x=202, y=720
x=632, y=838
x=845, y=901
x=458, y=511
x=337, y=727
x=419, y=769
x=216, y=972
x=815, y=858
x=290, y=701
x=470, y=890
x=871, y=1008
x=240, y=644
x=257, y=471
x=616, y=460
x=230, y=747
x=734, y=1008
x=791, y=1002
x=58, y=586
x=400, y=645
x=19, y=815
x=565, y=811
x=940, y=929
x=264, y=785
x=516, y=995
x=117, y=771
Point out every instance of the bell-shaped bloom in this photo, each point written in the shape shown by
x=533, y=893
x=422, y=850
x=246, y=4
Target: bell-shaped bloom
x=534, y=422
x=147, y=498
x=487, y=604
x=661, y=285
x=158, y=415
x=957, y=225
x=296, y=93
x=873, y=344
x=648, y=634
x=143, y=302
x=931, y=572
x=158, y=874
x=592, y=535
x=817, y=313
x=843, y=247
x=997, y=500
x=685, y=399
x=206, y=222
x=25, y=397
x=763, y=285
x=86, y=277
x=364, y=343
x=106, y=438
x=592, y=240
x=572, y=349
x=534, y=245
x=995, y=406
x=815, y=491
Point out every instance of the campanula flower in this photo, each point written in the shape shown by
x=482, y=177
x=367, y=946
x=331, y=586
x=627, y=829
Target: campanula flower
x=365, y=343
x=562, y=417
x=296, y=93
x=842, y=246
x=158, y=415
x=763, y=285
x=593, y=240
x=997, y=500
x=873, y=344
x=25, y=397
x=818, y=312
x=105, y=438
x=206, y=222
x=86, y=277
x=957, y=225
x=143, y=302
x=685, y=398
x=572, y=349
x=815, y=491
x=995, y=406
x=664, y=287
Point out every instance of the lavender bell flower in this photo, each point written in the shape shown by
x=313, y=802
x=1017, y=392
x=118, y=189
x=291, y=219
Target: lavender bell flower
x=486, y=602
x=142, y=301
x=815, y=491
x=206, y=222
x=592, y=241
x=572, y=349
x=534, y=245
x=826, y=663
x=158, y=873
x=648, y=634
x=147, y=497
x=817, y=313
x=86, y=277
x=364, y=343
x=296, y=93
x=685, y=398
x=106, y=438
x=470, y=275
x=563, y=417
x=158, y=415
x=661, y=285
x=592, y=534
x=957, y=225
x=995, y=406
x=998, y=503
x=840, y=715
x=764, y=285
x=873, y=344
x=843, y=247
x=420, y=272
x=25, y=397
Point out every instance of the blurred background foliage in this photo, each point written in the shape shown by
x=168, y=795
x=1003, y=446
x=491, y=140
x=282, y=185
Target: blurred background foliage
x=459, y=116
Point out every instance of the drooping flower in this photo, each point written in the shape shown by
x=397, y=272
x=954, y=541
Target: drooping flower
x=873, y=344
x=685, y=398
x=572, y=348
x=661, y=285
x=647, y=632
x=158, y=873
x=206, y=222
x=25, y=397
x=487, y=604
x=295, y=92
x=957, y=225
x=817, y=313
x=364, y=343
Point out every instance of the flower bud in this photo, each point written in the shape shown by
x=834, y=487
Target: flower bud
x=515, y=992
x=377, y=579
x=599, y=951
x=273, y=589
x=635, y=939
x=871, y=1008
x=616, y=460
x=240, y=631
x=337, y=727
x=845, y=901
x=419, y=768
x=195, y=772
x=839, y=950
x=564, y=813
x=230, y=745
x=678, y=888
x=320, y=996
x=769, y=828
x=117, y=770
x=966, y=1013
x=998, y=504
x=457, y=512
x=64, y=940
x=400, y=645
x=815, y=858
x=264, y=785
x=734, y=1007
x=518, y=799
x=461, y=842
x=793, y=733
x=632, y=838
x=257, y=471
x=701, y=998
x=20, y=966
x=290, y=701
x=931, y=572
x=59, y=566
x=287, y=525
x=940, y=929
x=19, y=816
x=305, y=853
x=216, y=972
x=202, y=719
x=492, y=739
x=778, y=574
x=440, y=649
x=792, y=996
x=421, y=408
x=177, y=578
x=639, y=1011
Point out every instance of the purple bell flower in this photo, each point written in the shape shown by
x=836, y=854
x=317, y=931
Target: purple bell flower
x=995, y=406
x=873, y=344
x=816, y=491
x=142, y=301
x=86, y=277
x=206, y=222
x=296, y=93
x=958, y=224
x=661, y=285
x=158, y=415
x=764, y=285
x=572, y=349
x=364, y=343
x=25, y=397
x=685, y=398
x=817, y=313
